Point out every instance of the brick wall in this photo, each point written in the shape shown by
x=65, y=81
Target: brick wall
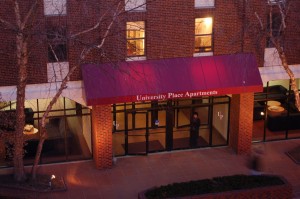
x=102, y=136
x=169, y=33
x=170, y=29
x=241, y=122
x=292, y=39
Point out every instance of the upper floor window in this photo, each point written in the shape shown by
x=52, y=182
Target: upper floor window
x=135, y=35
x=203, y=35
x=135, y=5
x=57, y=44
x=204, y=3
x=55, y=7
x=274, y=27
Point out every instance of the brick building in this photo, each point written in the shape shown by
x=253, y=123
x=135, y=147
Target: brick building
x=161, y=61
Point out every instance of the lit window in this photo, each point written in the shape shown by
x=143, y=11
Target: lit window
x=135, y=38
x=55, y=7
x=135, y=5
x=204, y=3
x=203, y=35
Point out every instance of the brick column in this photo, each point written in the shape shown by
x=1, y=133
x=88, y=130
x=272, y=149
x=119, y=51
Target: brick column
x=102, y=136
x=2, y=150
x=241, y=122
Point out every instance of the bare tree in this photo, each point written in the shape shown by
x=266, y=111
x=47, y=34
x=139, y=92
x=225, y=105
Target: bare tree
x=275, y=34
x=25, y=26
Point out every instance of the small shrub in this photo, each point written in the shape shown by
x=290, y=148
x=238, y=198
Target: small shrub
x=218, y=184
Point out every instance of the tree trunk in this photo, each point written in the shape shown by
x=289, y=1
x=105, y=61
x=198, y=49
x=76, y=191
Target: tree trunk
x=38, y=152
x=22, y=58
x=43, y=132
x=289, y=72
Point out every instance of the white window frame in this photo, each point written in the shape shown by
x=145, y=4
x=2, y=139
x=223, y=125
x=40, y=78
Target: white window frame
x=135, y=5
x=271, y=57
x=204, y=3
x=141, y=58
x=55, y=7
x=57, y=71
x=204, y=54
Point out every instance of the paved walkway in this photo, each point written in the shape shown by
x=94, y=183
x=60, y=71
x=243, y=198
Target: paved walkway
x=131, y=175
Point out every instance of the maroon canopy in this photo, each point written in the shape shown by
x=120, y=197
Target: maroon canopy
x=170, y=79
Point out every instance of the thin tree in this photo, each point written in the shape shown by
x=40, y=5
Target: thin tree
x=277, y=39
x=24, y=27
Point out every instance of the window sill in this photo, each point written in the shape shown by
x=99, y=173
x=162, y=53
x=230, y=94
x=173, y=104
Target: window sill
x=203, y=54
x=55, y=15
x=136, y=10
x=142, y=58
x=204, y=7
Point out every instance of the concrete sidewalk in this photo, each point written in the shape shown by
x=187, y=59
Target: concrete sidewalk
x=131, y=175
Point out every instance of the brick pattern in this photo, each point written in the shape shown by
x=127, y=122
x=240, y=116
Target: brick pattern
x=241, y=122
x=102, y=136
x=292, y=39
x=169, y=33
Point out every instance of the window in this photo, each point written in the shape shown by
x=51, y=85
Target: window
x=57, y=45
x=204, y=3
x=135, y=5
x=203, y=35
x=135, y=38
x=55, y=7
x=274, y=27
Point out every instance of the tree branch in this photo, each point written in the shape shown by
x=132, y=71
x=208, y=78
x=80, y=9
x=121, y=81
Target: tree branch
x=8, y=24
x=87, y=50
x=259, y=19
x=92, y=28
x=29, y=13
x=17, y=15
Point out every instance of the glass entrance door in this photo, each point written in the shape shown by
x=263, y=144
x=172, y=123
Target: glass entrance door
x=136, y=140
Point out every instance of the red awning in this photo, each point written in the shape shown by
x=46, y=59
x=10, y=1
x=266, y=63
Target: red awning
x=170, y=79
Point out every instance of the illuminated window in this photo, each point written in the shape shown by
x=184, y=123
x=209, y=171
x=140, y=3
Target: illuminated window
x=135, y=5
x=204, y=3
x=135, y=38
x=55, y=7
x=203, y=35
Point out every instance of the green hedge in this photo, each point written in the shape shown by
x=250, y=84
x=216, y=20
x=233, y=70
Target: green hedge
x=218, y=184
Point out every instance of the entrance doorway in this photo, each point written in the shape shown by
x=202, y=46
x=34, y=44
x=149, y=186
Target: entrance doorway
x=137, y=141
x=149, y=127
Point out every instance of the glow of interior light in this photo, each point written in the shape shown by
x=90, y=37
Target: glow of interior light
x=52, y=177
x=208, y=21
x=262, y=113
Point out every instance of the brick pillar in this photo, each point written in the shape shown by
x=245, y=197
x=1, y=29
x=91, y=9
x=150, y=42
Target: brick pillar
x=102, y=136
x=2, y=150
x=241, y=122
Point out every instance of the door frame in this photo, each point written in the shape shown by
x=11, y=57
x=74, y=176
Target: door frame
x=134, y=113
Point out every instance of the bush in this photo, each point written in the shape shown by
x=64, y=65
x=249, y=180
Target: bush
x=218, y=184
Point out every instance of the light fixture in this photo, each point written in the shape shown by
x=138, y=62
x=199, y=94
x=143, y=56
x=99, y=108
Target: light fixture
x=50, y=182
x=262, y=113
